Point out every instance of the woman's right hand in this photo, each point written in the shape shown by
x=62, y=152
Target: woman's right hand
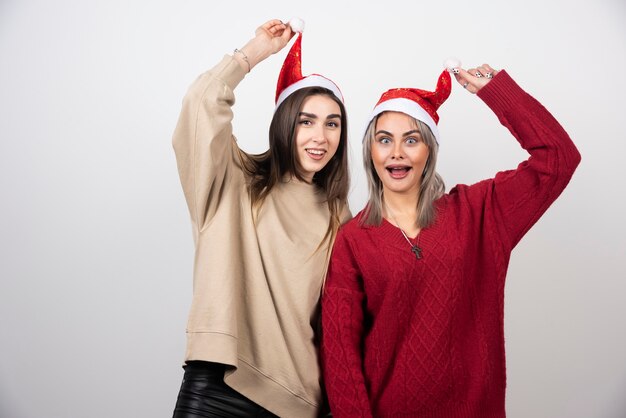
x=270, y=37
x=276, y=33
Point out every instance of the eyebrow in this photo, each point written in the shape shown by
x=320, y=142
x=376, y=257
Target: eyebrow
x=314, y=116
x=414, y=131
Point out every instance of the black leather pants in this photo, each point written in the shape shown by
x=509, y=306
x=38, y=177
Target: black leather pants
x=203, y=393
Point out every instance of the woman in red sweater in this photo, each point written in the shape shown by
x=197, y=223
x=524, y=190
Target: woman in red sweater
x=412, y=311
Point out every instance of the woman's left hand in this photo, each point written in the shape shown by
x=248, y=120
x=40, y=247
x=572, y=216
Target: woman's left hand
x=474, y=79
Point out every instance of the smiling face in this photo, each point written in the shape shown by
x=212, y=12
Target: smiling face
x=318, y=132
x=398, y=153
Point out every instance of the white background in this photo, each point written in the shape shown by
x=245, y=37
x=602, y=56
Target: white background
x=95, y=240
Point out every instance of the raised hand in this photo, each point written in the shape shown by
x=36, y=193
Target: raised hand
x=276, y=33
x=270, y=37
x=473, y=79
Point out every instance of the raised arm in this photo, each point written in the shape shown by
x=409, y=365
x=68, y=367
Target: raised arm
x=206, y=151
x=517, y=198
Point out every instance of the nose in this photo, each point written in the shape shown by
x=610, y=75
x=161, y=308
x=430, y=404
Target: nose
x=319, y=135
x=397, y=151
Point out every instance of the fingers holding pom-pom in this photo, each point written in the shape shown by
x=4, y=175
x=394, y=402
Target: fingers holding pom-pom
x=452, y=64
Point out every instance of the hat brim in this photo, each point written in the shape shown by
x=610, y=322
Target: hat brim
x=408, y=107
x=313, y=80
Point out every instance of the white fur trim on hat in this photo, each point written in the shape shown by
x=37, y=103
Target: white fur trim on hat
x=313, y=80
x=408, y=107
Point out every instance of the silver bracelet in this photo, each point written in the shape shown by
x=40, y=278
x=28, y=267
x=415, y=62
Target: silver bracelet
x=245, y=57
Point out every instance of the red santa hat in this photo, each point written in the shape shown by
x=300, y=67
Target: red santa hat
x=419, y=104
x=291, y=78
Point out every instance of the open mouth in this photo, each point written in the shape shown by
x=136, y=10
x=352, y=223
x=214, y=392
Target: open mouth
x=316, y=154
x=398, y=172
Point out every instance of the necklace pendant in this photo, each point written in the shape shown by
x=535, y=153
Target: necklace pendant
x=417, y=251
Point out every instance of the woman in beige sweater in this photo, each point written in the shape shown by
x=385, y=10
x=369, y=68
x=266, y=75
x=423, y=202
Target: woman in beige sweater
x=263, y=226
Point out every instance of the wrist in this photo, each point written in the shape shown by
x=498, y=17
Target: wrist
x=256, y=51
x=242, y=56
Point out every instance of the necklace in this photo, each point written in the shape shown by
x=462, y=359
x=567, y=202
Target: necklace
x=414, y=247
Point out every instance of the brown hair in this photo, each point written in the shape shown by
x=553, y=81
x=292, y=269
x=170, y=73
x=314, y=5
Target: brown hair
x=279, y=161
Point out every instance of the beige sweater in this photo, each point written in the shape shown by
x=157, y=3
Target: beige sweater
x=256, y=281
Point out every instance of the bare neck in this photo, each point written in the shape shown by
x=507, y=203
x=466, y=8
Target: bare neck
x=401, y=210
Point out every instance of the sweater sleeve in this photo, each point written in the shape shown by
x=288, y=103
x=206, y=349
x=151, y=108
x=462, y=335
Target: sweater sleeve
x=342, y=338
x=519, y=197
x=205, y=148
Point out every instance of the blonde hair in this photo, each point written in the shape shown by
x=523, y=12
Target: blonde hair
x=431, y=189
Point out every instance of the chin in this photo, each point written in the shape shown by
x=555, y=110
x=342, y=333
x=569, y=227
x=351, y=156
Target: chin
x=401, y=188
x=316, y=168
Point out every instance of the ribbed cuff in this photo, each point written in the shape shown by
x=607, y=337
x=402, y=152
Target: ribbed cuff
x=502, y=93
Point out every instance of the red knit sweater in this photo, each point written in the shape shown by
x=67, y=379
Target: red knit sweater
x=424, y=338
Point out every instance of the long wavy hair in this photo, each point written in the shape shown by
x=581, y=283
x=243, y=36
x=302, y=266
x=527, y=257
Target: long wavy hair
x=280, y=160
x=431, y=189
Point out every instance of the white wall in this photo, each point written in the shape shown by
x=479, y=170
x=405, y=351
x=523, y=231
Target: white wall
x=95, y=241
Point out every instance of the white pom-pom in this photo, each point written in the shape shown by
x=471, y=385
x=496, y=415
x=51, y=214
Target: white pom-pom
x=297, y=24
x=452, y=63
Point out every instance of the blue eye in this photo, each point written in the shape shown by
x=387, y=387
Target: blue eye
x=412, y=140
x=384, y=140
